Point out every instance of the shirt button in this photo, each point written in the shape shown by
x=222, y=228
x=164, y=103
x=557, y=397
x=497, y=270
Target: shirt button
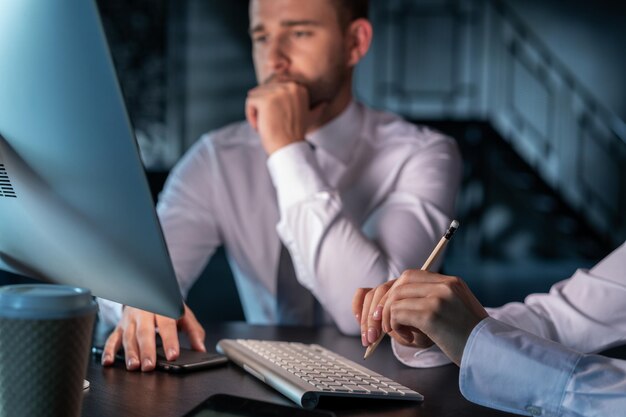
x=534, y=410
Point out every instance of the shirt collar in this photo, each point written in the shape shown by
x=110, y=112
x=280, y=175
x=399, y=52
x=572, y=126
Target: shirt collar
x=339, y=136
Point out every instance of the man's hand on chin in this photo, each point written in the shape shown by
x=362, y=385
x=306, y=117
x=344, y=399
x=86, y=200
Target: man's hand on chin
x=279, y=111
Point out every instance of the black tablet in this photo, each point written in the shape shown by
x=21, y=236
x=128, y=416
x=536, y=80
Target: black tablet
x=223, y=405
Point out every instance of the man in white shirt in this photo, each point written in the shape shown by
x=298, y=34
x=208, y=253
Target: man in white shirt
x=529, y=358
x=354, y=195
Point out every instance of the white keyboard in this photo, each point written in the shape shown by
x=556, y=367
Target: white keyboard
x=304, y=372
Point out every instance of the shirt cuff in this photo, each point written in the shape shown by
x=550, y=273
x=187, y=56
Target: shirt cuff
x=419, y=358
x=110, y=312
x=509, y=369
x=295, y=174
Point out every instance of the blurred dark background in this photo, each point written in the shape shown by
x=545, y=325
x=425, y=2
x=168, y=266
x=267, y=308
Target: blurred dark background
x=533, y=91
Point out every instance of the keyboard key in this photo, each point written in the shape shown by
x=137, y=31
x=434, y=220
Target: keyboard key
x=406, y=390
x=377, y=391
x=355, y=388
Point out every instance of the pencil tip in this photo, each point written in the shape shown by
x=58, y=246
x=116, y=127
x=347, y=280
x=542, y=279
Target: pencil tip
x=453, y=227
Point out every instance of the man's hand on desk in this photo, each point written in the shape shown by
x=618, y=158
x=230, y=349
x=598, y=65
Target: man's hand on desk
x=136, y=331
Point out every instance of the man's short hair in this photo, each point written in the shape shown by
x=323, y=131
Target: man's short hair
x=350, y=10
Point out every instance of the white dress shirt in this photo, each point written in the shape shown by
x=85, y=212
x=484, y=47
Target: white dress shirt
x=511, y=360
x=365, y=197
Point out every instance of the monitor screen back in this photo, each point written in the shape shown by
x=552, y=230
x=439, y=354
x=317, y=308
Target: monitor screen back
x=75, y=206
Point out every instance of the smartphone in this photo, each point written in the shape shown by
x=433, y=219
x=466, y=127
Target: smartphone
x=188, y=360
x=224, y=405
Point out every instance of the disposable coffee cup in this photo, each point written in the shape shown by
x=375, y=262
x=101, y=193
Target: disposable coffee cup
x=45, y=336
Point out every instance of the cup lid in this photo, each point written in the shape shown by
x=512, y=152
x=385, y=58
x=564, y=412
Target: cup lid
x=44, y=301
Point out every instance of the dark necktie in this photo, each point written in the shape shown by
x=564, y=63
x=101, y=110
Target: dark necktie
x=295, y=304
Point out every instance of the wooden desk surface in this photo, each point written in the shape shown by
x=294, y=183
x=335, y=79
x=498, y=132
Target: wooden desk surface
x=115, y=392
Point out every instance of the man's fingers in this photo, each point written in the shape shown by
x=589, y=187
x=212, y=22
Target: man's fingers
x=190, y=325
x=112, y=345
x=252, y=115
x=146, y=340
x=169, y=336
x=131, y=349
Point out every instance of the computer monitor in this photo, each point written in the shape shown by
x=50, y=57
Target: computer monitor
x=75, y=205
